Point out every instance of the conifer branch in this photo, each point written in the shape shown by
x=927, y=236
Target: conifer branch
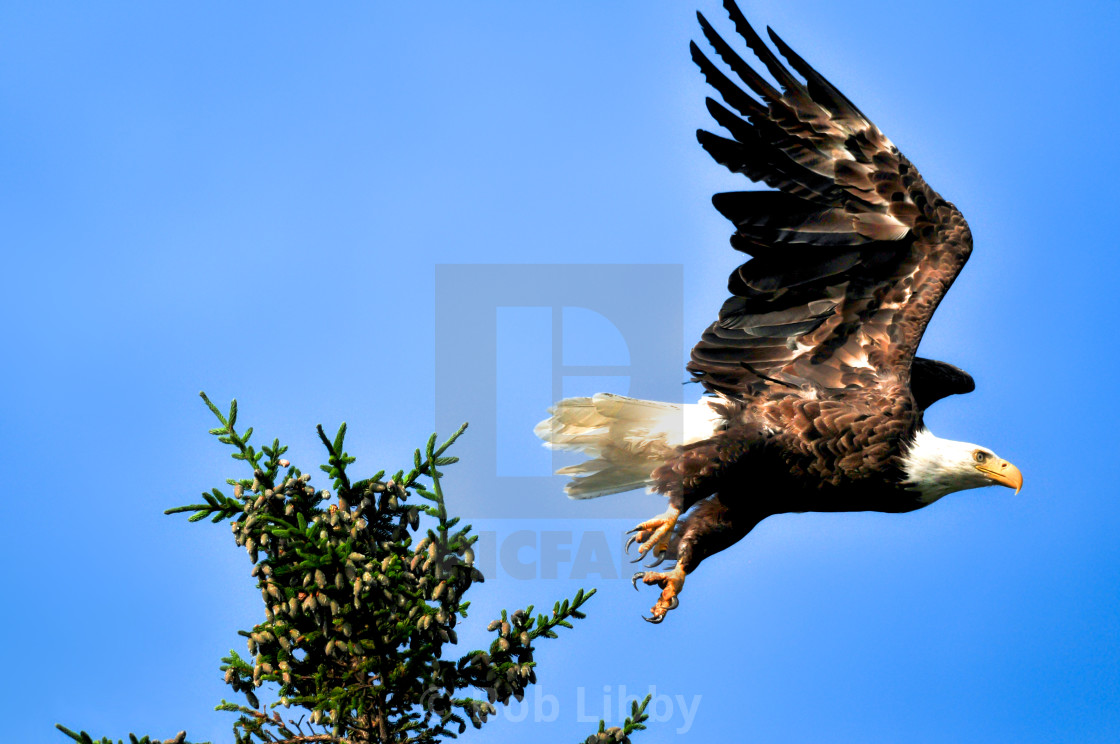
x=621, y=734
x=361, y=600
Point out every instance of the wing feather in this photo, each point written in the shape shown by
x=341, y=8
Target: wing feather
x=852, y=251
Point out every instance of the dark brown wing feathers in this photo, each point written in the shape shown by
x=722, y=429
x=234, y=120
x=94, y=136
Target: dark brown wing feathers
x=930, y=381
x=852, y=252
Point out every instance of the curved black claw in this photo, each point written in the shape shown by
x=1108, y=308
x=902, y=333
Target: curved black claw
x=674, y=604
x=637, y=576
x=632, y=531
x=660, y=559
x=630, y=542
x=655, y=619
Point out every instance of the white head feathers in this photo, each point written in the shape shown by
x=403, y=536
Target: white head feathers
x=935, y=467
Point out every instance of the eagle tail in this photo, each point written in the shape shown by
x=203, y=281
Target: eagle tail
x=626, y=439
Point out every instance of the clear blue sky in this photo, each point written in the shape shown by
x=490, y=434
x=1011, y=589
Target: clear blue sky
x=253, y=198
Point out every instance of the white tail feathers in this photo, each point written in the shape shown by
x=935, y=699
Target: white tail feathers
x=626, y=437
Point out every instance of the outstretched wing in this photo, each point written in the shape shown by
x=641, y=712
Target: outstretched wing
x=851, y=254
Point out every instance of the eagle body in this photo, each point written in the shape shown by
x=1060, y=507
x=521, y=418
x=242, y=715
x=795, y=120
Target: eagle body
x=801, y=453
x=814, y=395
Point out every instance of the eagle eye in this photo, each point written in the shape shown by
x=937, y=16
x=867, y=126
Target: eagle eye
x=980, y=455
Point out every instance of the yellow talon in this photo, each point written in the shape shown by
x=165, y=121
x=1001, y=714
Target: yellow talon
x=671, y=583
x=654, y=532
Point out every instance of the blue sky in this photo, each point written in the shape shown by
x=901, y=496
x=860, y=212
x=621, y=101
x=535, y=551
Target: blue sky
x=252, y=199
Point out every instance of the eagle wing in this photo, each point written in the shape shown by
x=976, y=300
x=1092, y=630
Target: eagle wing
x=930, y=381
x=851, y=253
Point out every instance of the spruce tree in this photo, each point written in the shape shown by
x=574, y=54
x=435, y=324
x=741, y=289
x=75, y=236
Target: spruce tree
x=362, y=586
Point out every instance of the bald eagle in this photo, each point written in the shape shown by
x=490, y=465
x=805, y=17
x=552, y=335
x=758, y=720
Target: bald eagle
x=814, y=396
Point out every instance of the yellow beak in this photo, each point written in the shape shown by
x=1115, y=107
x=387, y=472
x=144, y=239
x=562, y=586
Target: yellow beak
x=1003, y=473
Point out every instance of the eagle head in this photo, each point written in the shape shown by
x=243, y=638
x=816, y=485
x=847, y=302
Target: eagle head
x=935, y=467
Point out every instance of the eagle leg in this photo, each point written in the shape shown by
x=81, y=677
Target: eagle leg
x=706, y=530
x=654, y=533
x=671, y=583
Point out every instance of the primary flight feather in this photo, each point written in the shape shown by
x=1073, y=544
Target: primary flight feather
x=815, y=396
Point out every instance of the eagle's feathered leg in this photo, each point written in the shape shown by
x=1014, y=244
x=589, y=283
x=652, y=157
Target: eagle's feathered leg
x=711, y=527
x=693, y=474
x=706, y=530
x=685, y=479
